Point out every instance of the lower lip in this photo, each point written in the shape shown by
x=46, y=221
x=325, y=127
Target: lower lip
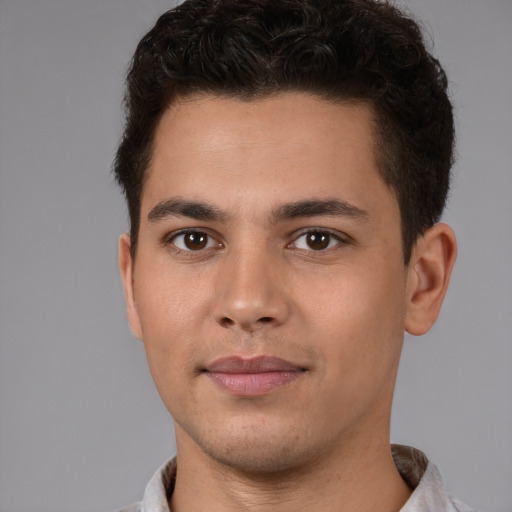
x=253, y=384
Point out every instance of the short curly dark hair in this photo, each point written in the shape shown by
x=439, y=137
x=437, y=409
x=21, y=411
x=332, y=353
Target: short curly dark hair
x=336, y=49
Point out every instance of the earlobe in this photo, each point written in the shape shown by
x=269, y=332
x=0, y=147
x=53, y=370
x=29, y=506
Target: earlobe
x=126, y=268
x=429, y=275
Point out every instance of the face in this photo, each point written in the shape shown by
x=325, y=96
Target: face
x=269, y=288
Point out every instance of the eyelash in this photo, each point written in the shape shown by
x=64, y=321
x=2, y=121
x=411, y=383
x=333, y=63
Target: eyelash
x=170, y=241
x=211, y=243
x=335, y=240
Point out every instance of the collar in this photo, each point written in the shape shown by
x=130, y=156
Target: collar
x=429, y=494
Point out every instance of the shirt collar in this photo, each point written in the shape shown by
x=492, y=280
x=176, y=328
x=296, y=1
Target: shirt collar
x=422, y=476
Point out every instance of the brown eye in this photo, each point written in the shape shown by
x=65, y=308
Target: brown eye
x=318, y=241
x=193, y=241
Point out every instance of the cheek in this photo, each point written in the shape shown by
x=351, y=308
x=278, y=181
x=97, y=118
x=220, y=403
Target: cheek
x=359, y=333
x=357, y=320
x=168, y=299
x=170, y=311
x=363, y=297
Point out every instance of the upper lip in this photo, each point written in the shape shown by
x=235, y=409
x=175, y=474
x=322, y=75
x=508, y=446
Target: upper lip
x=259, y=364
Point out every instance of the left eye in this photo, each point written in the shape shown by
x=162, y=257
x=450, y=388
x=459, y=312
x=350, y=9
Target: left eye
x=193, y=241
x=316, y=241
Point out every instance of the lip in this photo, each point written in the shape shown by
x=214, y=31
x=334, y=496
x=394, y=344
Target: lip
x=254, y=376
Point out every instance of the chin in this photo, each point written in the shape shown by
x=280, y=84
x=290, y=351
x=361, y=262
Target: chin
x=258, y=452
x=258, y=460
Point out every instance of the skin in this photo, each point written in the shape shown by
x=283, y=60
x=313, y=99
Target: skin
x=262, y=286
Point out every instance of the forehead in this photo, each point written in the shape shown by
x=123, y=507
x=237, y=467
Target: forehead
x=231, y=123
x=288, y=146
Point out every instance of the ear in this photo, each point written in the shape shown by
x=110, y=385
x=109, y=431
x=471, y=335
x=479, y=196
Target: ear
x=428, y=277
x=126, y=266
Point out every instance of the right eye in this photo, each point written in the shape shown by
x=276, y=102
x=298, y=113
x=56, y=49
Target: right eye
x=193, y=240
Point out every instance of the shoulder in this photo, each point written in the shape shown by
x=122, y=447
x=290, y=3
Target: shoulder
x=136, y=507
x=422, y=476
x=158, y=490
x=459, y=506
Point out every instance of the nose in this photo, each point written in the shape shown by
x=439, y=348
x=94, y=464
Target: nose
x=251, y=292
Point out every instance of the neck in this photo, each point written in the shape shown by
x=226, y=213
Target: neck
x=358, y=477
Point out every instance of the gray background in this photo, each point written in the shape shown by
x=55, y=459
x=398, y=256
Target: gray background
x=81, y=427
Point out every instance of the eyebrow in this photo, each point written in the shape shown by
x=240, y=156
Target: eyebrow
x=317, y=208
x=178, y=207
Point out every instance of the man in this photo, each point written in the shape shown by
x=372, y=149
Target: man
x=285, y=164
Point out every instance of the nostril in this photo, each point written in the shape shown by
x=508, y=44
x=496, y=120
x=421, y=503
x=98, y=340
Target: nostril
x=227, y=322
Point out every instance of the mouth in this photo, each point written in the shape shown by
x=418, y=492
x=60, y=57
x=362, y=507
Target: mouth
x=252, y=377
